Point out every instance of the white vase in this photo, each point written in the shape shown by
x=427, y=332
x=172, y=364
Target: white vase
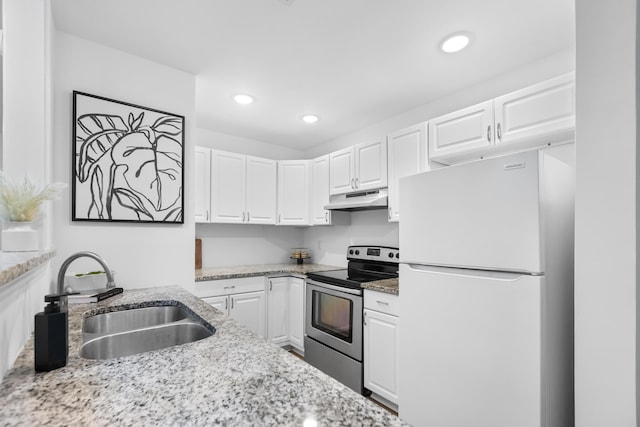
x=19, y=237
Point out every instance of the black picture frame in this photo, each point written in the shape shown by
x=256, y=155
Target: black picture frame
x=128, y=162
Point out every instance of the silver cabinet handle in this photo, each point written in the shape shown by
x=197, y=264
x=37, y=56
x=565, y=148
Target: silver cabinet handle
x=226, y=304
x=357, y=183
x=279, y=218
x=382, y=302
x=489, y=133
x=270, y=285
x=230, y=287
x=243, y=215
x=206, y=213
x=326, y=217
x=364, y=318
x=389, y=213
x=353, y=183
x=499, y=130
x=231, y=303
x=248, y=216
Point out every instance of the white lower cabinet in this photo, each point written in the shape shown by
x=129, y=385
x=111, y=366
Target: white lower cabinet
x=296, y=313
x=380, y=336
x=242, y=299
x=285, y=296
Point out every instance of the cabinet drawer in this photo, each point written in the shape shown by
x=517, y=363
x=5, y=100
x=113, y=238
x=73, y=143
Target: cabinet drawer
x=214, y=288
x=382, y=302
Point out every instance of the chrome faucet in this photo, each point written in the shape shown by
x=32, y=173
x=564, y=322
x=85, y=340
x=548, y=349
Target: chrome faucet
x=63, y=269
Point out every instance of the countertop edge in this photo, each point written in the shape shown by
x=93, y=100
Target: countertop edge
x=255, y=270
x=14, y=265
x=389, y=286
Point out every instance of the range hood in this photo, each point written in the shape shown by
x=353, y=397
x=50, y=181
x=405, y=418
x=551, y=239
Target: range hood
x=359, y=201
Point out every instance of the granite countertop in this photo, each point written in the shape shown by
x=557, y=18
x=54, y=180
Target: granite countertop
x=15, y=264
x=218, y=273
x=231, y=378
x=388, y=286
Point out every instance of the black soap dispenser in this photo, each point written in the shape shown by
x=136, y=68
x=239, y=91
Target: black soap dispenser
x=51, y=333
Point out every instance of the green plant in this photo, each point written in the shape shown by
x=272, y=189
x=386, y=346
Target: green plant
x=20, y=201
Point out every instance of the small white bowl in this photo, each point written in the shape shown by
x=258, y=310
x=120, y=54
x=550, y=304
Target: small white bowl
x=85, y=282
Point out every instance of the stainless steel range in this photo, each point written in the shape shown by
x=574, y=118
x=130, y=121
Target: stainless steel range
x=333, y=319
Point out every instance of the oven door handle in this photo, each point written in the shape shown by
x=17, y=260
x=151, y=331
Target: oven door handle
x=334, y=287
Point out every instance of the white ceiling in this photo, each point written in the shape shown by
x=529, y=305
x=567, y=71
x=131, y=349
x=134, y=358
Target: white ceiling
x=352, y=62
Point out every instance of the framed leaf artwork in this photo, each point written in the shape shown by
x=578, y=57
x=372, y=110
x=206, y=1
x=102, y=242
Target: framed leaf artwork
x=128, y=162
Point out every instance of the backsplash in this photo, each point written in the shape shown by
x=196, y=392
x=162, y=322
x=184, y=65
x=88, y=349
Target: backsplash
x=237, y=244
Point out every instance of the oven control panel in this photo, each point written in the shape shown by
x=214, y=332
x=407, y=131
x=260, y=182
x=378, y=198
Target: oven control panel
x=374, y=253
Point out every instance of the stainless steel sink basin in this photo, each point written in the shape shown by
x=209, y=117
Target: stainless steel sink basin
x=143, y=340
x=138, y=330
x=127, y=320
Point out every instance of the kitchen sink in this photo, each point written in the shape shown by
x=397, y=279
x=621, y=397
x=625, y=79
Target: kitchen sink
x=126, y=320
x=138, y=330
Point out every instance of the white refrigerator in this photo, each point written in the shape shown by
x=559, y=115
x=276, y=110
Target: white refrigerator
x=486, y=294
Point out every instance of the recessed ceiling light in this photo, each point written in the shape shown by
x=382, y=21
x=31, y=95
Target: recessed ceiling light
x=244, y=99
x=455, y=43
x=310, y=118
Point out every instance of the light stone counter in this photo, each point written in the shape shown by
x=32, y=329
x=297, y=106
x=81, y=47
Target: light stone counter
x=232, y=378
x=388, y=286
x=15, y=264
x=218, y=273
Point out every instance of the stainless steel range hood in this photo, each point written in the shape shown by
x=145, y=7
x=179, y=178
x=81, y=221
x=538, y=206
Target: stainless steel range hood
x=359, y=201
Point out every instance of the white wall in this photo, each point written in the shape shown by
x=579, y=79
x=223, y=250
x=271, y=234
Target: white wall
x=143, y=255
x=237, y=244
x=27, y=138
x=328, y=244
x=26, y=97
x=606, y=191
x=237, y=144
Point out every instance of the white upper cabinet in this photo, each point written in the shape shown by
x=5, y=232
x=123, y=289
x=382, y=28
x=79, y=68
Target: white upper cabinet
x=536, y=116
x=293, y=192
x=243, y=188
x=203, y=184
x=320, y=191
x=361, y=167
x=261, y=190
x=342, y=171
x=546, y=110
x=462, y=132
x=407, y=151
x=371, y=165
x=228, y=187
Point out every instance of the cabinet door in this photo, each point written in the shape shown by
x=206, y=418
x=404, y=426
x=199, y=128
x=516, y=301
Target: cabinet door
x=320, y=191
x=407, y=156
x=371, y=165
x=202, y=195
x=220, y=302
x=296, y=313
x=342, y=171
x=278, y=310
x=381, y=354
x=543, y=113
x=228, y=184
x=249, y=310
x=261, y=190
x=462, y=132
x=293, y=192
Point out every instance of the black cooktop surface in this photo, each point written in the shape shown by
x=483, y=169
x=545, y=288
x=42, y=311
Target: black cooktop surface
x=347, y=278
